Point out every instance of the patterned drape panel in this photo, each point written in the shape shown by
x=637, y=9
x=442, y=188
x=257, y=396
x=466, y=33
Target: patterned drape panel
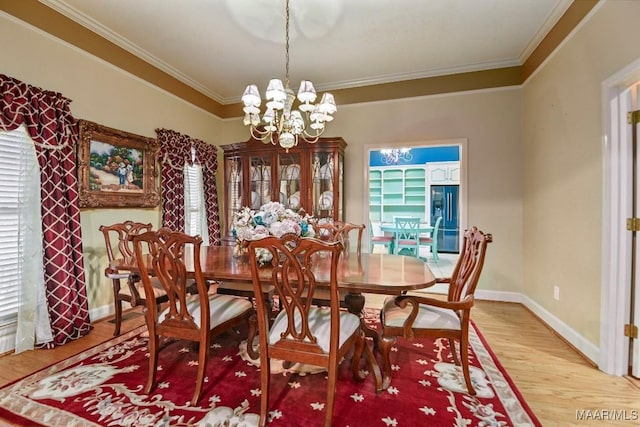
x=175, y=151
x=207, y=156
x=54, y=131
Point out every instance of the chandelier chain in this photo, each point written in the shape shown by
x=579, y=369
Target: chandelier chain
x=286, y=49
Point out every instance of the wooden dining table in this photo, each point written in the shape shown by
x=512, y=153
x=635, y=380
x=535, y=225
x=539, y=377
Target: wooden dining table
x=379, y=273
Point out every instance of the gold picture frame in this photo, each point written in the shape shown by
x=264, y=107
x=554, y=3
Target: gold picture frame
x=116, y=169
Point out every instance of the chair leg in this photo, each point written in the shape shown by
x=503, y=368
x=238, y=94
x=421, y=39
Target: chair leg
x=385, y=348
x=265, y=372
x=331, y=393
x=464, y=355
x=118, y=315
x=154, y=347
x=454, y=353
x=203, y=356
x=253, y=330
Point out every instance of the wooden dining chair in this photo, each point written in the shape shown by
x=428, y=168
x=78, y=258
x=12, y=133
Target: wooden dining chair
x=326, y=231
x=432, y=240
x=195, y=317
x=340, y=232
x=423, y=317
x=119, y=245
x=407, y=235
x=303, y=332
x=344, y=233
x=387, y=241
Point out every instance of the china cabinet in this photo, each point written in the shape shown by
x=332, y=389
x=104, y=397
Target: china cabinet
x=307, y=176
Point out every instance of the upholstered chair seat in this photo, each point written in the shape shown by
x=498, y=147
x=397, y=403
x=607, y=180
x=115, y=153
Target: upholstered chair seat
x=319, y=326
x=428, y=316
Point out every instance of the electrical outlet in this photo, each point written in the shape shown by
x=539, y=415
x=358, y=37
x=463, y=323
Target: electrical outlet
x=556, y=293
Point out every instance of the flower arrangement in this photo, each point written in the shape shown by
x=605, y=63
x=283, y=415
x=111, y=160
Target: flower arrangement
x=271, y=219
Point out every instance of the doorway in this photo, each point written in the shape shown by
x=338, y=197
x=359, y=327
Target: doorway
x=423, y=179
x=620, y=307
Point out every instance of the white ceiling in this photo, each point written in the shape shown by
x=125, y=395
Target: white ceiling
x=219, y=46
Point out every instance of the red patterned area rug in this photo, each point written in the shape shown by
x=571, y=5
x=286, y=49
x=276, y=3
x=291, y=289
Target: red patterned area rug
x=103, y=387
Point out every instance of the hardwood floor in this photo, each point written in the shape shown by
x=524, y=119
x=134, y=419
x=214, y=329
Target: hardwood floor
x=557, y=383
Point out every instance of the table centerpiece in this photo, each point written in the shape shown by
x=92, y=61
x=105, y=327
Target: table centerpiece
x=271, y=219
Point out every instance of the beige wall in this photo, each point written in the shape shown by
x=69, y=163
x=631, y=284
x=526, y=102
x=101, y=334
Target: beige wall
x=563, y=166
x=103, y=94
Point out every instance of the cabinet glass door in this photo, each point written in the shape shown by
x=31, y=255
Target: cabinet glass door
x=260, y=178
x=322, y=176
x=340, y=195
x=290, y=180
x=233, y=180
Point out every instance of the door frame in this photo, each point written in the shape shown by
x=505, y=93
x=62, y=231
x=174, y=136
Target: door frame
x=463, y=193
x=618, y=98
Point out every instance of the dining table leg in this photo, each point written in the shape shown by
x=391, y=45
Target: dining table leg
x=355, y=304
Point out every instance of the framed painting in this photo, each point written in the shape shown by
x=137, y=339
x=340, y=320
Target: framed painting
x=116, y=169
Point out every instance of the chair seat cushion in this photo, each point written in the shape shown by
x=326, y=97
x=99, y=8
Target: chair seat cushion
x=429, y=317
x=319, y=326
x=407, y=242
x=221, y=308
x=382, y=239
x=426, y=240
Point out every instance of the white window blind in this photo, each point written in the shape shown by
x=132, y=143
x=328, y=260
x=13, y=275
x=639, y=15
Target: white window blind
x=14, y=146
x=194, y=209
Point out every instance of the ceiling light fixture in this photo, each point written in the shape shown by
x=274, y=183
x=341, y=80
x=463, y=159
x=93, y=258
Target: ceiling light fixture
x=393, y=156
x=281, y=124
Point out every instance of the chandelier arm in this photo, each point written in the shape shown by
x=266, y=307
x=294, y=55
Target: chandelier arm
x=312, y=138
x=266, y=137
x=257, y=133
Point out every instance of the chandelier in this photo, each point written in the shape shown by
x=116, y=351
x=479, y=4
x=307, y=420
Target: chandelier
x=395, y=155
x=281, y=123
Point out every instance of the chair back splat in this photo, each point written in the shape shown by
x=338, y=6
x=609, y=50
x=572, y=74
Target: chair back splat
x=196, y=317
x=407, y=235
x=411, y=316
x=303, y=332
x=344, y=236
x=119, y=245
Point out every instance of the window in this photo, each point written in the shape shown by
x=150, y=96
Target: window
x=20, y=231
x=12, y=145
x=195, y=217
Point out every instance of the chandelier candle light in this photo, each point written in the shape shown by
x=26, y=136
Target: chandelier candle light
x=281, y=124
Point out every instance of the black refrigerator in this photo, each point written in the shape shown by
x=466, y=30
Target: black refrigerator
x=445, y=203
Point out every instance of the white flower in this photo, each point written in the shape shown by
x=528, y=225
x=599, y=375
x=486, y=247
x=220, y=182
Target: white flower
x=271, y=219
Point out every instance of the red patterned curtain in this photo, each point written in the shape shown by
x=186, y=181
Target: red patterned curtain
x=207, y=156
x=54, y=131
x=175, y=151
